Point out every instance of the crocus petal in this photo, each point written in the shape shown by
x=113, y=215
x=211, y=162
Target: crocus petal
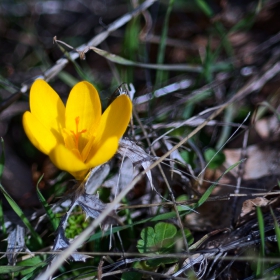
x=112, y=126
x=104, y=152
x=66, y=160
x=40, y=136
x=114, y=120
x=84, y=103
x=47, y=107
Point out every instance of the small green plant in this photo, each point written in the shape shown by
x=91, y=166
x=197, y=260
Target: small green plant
x=76, y=224
x=163, y=238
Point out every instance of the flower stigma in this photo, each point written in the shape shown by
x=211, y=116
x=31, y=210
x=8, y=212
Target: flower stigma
x=72, y=140
x=78, y=133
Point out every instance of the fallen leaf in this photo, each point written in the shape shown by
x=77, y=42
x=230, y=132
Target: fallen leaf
x=262, y=160
x=121, y=179
x=61, y=243
x=91, y=205
x=96, y=178
x=16, y=244
x=137, y=155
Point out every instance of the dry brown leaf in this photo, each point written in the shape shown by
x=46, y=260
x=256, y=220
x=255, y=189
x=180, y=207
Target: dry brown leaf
x=262, y=160
x=248, y=210
x=268, y=128
x=250, y=205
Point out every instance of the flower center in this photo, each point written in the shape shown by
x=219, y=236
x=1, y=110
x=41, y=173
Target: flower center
x=75, y=143
x=78, y=133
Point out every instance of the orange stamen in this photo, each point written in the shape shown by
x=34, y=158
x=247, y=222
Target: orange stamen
x=78, y=133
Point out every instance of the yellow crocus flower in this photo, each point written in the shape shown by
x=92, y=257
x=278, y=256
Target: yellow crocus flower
x=77, y=136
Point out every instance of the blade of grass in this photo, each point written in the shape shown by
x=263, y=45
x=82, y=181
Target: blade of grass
x=35, y=261
x=5, y=269
x=211, y=57
x=208, y=61
x=25, y=267
x=260, y=268
x=2, y=222
x=277, y=229
x=244, y=24
x=67, y=78
x=131, y=47
x=31, y=267
x=247, y=22
x=2, y=159
x=54, y=221
x=204, y=7
x=162, y=44
x=7, y=85
x=228, y=117
x=167, y=67
x=205, y=196
x=225, y=43
x=190, y=105
x=19, y=212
